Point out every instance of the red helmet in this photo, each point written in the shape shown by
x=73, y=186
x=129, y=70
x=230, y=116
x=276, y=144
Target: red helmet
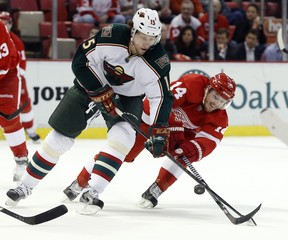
x=5, y=16
x=223, y=85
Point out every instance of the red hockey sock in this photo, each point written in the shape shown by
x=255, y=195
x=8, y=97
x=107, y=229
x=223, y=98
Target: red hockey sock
x=83, y=178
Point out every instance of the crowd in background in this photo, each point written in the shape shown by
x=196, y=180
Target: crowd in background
x=238, y=31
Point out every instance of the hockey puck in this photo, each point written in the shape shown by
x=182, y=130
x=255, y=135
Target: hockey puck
x=199, y=189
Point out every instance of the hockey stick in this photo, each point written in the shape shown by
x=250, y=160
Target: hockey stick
x=14, y=114
x=39, y=218
x=220, y=201
x=280, y=41
x=275, y=125
x=214, y=195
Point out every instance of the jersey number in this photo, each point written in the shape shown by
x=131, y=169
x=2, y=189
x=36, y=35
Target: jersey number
x=179, y=91
x=4, y=51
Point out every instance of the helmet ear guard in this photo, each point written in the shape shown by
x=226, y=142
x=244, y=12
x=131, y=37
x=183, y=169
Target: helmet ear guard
x=147, y=22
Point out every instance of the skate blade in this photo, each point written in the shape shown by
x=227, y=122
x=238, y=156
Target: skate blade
x=144, y=203
x=10, y=202
x=87, y=209
x=65, y=199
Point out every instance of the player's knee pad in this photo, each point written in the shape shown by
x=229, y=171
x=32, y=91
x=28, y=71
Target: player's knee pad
x=55, y=144
x=121, y=137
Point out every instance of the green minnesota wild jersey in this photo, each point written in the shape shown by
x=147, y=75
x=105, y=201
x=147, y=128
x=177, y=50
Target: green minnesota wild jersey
x=104, y=59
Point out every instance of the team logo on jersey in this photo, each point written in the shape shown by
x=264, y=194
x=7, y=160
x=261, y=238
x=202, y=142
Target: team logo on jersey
x=196, y=71
x=107, y=31
x=115, y=74
x=162, y=61
x=199, y=108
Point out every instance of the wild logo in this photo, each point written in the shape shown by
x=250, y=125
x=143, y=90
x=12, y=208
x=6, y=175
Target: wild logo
x=116, y=75
x=196, y=71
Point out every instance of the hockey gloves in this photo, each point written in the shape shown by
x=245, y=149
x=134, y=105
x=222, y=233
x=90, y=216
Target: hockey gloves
x=176, y=137
x=157, y=144
x=106, y=100
x=190, y=149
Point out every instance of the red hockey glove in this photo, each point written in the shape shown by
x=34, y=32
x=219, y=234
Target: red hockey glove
x=190, y=149
x=157, y=144
x=176, y=137
x=106, y=100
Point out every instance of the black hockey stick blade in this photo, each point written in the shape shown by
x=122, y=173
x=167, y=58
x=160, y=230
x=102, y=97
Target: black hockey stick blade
x=39, y=218
x=247, y=217
x=14, y=114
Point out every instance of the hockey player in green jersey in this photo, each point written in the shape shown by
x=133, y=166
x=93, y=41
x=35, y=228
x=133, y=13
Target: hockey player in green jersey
x=114, y=68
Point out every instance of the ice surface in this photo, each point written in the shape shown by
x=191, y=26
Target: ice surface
x=245, y=171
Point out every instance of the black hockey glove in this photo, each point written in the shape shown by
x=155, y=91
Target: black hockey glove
x=157, y=144
x=106, y=100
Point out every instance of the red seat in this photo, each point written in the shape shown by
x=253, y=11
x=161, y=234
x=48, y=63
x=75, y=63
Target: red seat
x=81, y=31
x=46, y=7
x=21, y=5
x=232, y=5
x=72, y=5
x=245, y=5
x=45, y=30
x=273, y=9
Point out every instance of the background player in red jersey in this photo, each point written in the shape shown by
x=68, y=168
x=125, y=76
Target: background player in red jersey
x=197, y=123
x=10, y=85
x=27, y=114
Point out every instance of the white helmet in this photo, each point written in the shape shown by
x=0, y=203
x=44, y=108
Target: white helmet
x=147, y=21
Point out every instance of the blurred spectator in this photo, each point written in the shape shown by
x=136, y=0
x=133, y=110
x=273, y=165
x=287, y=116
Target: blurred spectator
x=85, y=12
x=234, y=15
x=162, y=7
x=98, y=11
x=272, y=53
x=250, y=50
x=223, y=48
x=220, y=21
x=183, y=19
x=126, y=8
x=186, y=44
x=251, y=20
x=175, y=6
x=166, y=43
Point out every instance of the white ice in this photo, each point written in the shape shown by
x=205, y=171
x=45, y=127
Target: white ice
x=245, y=171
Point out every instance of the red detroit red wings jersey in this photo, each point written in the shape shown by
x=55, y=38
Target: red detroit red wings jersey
x=9, y=58
x=21, y=49
x=205, y=128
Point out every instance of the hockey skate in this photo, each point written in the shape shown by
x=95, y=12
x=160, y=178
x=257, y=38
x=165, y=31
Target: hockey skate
x=17, y=194
x=72, y=191
x=21, y=164
x=90, y=202
x=150, y=196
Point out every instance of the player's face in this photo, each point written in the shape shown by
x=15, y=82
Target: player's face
x=143, y=42
x=214, y=101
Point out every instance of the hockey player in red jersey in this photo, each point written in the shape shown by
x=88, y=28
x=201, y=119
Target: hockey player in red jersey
x=27, y=114
x=10, y=86
x=197, y=123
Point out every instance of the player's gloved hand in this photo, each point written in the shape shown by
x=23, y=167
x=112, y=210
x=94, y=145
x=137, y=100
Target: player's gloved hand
x=176, y=137
x=106, y=100
x=157, y=144
x=190, y=150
